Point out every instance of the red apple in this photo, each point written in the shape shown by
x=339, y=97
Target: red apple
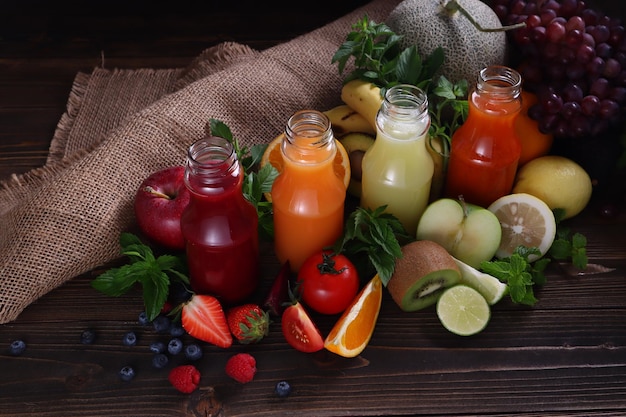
x=159, y=204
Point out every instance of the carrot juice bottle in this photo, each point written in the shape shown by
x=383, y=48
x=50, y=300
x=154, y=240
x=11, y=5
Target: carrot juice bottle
x=397, y=168
x=219, y=225
x=485, y=150
x=307, y=196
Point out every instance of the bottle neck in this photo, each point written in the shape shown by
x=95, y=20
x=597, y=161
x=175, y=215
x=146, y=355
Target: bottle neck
x=308, y=138
x=498, y=90
x=403, y=114
x=212, y=166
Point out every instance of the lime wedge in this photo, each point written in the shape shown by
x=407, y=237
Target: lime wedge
x=463, y=310
x=489, y=286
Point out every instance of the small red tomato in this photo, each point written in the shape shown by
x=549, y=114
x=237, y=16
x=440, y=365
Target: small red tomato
x=299, y=330
x=328, y=282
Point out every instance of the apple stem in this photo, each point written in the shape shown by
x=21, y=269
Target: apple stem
x=151, y=190
x=464, y=205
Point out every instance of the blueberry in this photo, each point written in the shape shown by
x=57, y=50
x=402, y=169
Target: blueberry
x=179, y=293
x=157, y=347
x=143, y=319
x=176, y=330
x=87, y=337
x=282, y=389
x=17, y=347
x=129, y=339
x=160, y=360
x=161, y=324
x=175, y=346
x=193, y=351
x=127, y=373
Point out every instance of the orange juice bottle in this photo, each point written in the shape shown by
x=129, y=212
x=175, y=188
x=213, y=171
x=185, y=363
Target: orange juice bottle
x=485, y=150
x=307, y=196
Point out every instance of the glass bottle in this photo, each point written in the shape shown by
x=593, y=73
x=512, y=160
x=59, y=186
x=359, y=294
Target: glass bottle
x=485, y=149
x=219, y=224
x=397, y=168
x=307, y=196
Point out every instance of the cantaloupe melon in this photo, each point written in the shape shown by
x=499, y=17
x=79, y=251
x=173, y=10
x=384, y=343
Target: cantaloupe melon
x=428, y=24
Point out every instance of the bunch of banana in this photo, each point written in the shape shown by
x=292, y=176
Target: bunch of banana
x=354, y=125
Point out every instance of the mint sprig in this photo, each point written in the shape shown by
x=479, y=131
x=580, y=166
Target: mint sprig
x=153, y=273
x=375, y=235
x=379, y=58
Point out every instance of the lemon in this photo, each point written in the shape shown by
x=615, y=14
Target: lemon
x=526, y=221
x=558, y=181
x=487, y=285
x=463, y=310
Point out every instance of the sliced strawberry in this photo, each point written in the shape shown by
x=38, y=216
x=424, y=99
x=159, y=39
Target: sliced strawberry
x=203, y=318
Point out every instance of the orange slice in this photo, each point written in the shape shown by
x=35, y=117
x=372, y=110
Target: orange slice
x=274, y=156
x=354, y=329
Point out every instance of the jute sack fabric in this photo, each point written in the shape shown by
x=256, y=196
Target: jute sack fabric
x=65, y=219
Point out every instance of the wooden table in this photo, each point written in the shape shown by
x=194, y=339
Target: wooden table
x=564, y=357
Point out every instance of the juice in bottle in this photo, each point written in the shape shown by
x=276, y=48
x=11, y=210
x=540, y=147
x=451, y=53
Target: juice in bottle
x=307, y=196
x=485, y=150
x=219, y=224
x=397, y=168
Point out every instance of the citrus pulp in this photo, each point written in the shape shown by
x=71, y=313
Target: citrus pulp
x=526, y=221
x=354, y=329
x=463, y=310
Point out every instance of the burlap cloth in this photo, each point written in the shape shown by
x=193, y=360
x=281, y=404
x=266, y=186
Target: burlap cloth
x=64, y=219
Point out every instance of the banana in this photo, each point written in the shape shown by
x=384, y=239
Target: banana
x=364, y=97
x=346, y=120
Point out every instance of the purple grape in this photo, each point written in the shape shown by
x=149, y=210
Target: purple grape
x=599, y=87
x=571, y=110
x=608, y=109
x=612, y=68
x=604, y=50
x=590, y=105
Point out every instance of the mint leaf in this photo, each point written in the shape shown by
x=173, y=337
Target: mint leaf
x=371, y=239
x=153, y=274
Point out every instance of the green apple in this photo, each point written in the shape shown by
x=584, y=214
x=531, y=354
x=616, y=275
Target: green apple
x=469, y=232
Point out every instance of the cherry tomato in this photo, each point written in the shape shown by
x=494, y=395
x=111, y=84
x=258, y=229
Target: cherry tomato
x=299, y=330
x=328, y=282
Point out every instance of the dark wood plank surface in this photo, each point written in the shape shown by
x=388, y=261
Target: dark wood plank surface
x=564, y=357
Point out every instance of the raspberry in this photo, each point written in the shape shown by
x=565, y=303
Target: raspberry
x=241, y=367
x=185, y=378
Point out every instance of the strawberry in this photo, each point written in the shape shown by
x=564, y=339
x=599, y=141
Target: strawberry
x=241, y=367
x=248, y=323
x=204, y=319
x=185, y=378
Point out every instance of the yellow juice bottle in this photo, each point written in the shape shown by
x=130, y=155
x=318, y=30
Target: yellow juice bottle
x=397, y=168
x=307, y=197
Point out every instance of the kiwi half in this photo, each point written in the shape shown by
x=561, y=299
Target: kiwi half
x=425, y=270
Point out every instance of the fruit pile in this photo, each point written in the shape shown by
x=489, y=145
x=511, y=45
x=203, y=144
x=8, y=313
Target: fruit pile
x=574, y=58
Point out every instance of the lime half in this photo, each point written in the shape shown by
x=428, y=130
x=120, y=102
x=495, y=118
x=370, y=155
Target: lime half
x=489, y=286
x=463, y=310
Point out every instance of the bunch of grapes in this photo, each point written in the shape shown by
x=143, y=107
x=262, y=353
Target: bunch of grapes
x=574, y=58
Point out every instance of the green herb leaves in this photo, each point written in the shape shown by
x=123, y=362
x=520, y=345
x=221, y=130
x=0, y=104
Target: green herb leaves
x=376, y=235
x=379, y=59
x=153, y=273
x=519, y=274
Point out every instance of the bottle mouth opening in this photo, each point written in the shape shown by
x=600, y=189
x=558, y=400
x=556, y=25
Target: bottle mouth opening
x=211, y=158
x=499, y=81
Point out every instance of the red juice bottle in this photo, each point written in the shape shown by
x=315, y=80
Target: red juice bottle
x=219, y=225
x=485, y=149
